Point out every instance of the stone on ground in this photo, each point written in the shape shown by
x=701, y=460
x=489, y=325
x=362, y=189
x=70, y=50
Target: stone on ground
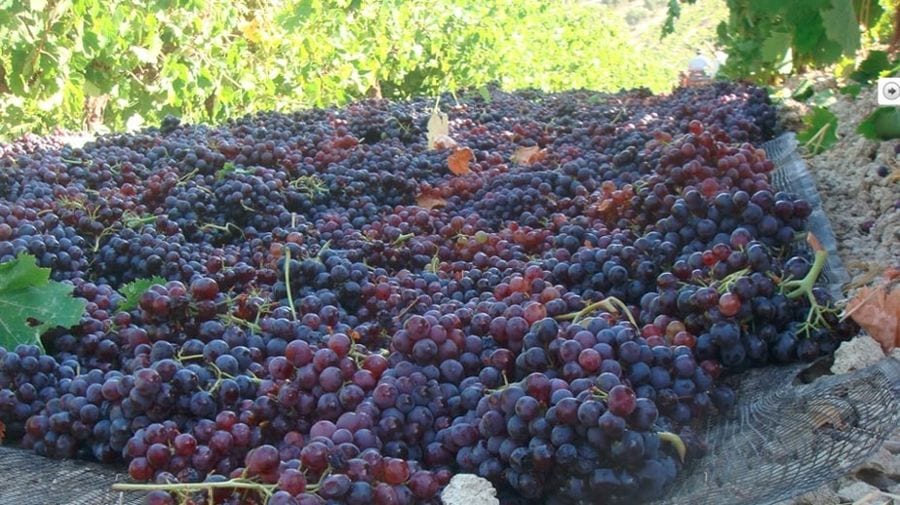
x=468, y=489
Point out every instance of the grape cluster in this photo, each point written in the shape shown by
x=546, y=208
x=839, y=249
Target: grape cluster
x=342, y=319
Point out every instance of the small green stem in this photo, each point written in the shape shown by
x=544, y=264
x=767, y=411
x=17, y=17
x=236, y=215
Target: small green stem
x=729, y=280
x=794, y=289
x=326, y=246
x=403, y=238
x=609, y=304
x=195, y=486
x=676, y=441
x=800, y=287
x=287, y=281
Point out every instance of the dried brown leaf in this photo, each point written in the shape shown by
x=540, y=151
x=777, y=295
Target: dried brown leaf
x=877, y=310
x=459, y=161
x=528, y=155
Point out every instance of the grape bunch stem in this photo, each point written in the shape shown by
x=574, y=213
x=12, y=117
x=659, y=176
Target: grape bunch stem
x=610, y=304
x=795, y=288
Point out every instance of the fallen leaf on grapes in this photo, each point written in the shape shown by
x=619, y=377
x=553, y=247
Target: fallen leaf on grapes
x=430, y=200
x=528, y=155
x=877, y=310
x=27, y=295
x=2, y=431
x=438, y=126
x=459, y=161
x=444, y=142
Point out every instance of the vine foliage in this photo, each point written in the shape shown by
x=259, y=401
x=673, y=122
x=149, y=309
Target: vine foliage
x=764, y=38
x=121, y=64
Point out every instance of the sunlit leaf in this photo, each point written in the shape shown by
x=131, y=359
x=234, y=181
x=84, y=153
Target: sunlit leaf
x=144, y=55
x=438, y=126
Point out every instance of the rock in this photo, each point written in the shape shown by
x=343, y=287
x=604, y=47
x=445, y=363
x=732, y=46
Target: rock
x=856, y=354
x=856, y=491
x=883, y=462
x=895, y=353
x=468, y=489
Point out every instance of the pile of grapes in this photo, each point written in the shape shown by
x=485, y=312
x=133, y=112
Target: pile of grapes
x=341, y=318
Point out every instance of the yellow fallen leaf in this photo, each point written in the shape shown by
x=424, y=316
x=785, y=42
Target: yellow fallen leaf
x=438, y=126
x=459, y=161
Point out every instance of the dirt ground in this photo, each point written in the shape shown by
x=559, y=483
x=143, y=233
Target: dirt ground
x=859, y=183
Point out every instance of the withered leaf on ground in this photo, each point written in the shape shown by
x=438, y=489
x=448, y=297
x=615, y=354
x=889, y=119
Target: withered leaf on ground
x=877, y=310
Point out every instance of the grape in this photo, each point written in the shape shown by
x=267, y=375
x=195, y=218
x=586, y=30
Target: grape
x=317, y=322
x=621, y=401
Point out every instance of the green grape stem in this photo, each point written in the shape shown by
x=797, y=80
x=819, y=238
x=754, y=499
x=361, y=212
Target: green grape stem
x=188, y=487
x=197, y=486
x=676, y=442
x=287, y=282
x=799, y=287
x=610, y=304
x=795, y=288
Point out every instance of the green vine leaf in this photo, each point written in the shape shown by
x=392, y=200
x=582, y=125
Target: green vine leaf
x=882, y=124
x=804, y=90
x=872, y=67
x=30, y=303
x=841, y=25
x=852, y=90
x=868, y=12
x=134, y=289
x=820, y=130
